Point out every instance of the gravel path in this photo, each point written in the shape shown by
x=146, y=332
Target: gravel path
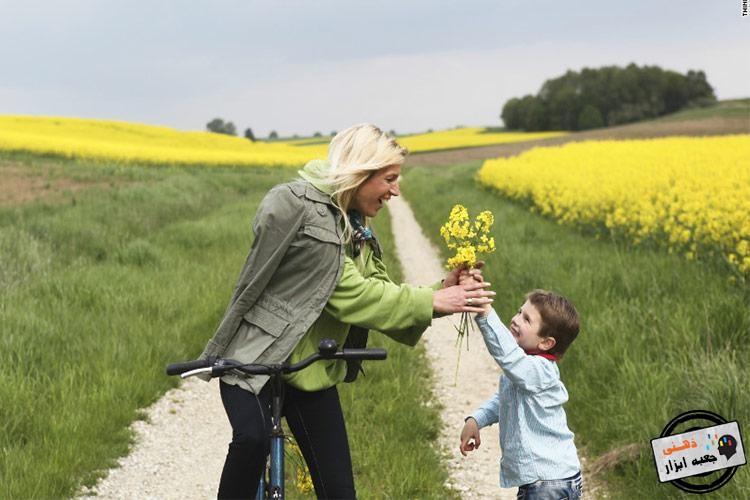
x=179, y=450
x=180, y=447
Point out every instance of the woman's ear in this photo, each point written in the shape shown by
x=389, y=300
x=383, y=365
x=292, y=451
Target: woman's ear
x=547, y=343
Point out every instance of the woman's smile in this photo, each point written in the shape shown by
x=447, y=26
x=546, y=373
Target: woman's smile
x=376, y=190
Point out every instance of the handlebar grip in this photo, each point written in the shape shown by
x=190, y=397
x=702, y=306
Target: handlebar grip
x=371, y=353
x=180, y=368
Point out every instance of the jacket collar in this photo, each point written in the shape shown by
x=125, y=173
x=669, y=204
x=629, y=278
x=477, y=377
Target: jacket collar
x=314, y=194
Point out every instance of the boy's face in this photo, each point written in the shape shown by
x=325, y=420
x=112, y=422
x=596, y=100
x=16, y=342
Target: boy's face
x=525, y=327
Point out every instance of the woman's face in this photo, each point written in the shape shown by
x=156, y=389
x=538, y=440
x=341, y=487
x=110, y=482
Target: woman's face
x=376, y=190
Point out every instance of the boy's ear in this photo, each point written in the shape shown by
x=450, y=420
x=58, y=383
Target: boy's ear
x=547, y=343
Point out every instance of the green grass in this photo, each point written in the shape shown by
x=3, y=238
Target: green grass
x=101, y=288
x=734, y=108
x=660, y=335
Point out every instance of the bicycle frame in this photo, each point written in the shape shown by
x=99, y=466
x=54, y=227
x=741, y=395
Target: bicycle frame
x=275, y=486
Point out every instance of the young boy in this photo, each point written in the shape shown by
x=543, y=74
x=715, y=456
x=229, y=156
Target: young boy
x=538, y=453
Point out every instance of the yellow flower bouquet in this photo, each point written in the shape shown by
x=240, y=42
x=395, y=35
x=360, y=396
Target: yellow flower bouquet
x=467, y=239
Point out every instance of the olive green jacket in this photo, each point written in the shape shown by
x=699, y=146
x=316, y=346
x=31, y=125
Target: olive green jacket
x=292, y=268
x=294, y=265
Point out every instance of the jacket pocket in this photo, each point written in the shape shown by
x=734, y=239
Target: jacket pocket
x=267, y=321
x=259, y=331
x=321, y=234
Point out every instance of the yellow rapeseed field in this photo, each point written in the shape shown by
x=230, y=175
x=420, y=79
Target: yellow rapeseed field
x=465, y=137
x=135, y=143
x=691, y=194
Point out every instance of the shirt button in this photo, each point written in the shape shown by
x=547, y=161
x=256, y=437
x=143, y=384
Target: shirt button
x=322, y=209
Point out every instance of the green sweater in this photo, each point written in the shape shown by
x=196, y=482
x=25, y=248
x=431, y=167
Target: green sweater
x=364, y=296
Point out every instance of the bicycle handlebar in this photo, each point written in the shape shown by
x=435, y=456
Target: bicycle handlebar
x=216, y=367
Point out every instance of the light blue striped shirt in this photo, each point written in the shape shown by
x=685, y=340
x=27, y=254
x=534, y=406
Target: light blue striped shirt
x=534, y=436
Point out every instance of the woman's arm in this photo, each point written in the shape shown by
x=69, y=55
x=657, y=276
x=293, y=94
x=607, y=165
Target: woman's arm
x=377, y=303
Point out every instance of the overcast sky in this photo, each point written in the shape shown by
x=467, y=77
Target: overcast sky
x=298, y=67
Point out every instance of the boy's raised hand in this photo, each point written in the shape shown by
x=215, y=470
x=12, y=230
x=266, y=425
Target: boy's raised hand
x=456, y=275
x=470, y=276
x=469, y=436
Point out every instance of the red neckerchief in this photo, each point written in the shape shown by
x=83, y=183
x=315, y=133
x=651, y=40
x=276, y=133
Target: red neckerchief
x=542, y=354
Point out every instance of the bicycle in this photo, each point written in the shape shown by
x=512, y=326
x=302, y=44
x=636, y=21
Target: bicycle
x=272, y=486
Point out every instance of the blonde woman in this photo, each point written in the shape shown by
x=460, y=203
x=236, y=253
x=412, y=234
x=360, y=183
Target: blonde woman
x=314, y=271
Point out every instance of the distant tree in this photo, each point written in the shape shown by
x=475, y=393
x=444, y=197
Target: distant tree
x=675, y=93
x=606, y=96
x=333, y=132
x=392, y=133
x=532, y=113
x=230, y=129
x=590, y=117
x=317, y=134
x=219, y=126
x=249, y=134
x=699, y=91
x=511, y=115
x=216, y=125
x=273, y=136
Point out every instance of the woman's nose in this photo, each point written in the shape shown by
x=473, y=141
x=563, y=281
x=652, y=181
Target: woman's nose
x=395, y=189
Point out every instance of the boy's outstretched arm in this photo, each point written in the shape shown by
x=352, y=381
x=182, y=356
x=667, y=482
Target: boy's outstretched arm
x=470, y=440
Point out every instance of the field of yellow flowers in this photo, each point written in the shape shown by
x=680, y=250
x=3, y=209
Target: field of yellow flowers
x=135, y=143
x=458, y=138
x=467, y=137
x=689, y=194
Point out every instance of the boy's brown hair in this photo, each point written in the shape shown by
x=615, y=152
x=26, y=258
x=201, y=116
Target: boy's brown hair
x=560, y=319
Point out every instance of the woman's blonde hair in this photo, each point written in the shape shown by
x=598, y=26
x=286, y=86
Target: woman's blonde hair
x=355, y=154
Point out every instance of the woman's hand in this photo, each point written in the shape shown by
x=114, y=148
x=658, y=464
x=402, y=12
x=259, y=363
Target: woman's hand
x=468, y=297
x=454, y=276
x=469, y=436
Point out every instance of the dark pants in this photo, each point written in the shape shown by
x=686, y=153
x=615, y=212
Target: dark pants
x=317, y=423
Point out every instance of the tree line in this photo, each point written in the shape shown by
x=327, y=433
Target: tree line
x=607, y=96
x=219, y=126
